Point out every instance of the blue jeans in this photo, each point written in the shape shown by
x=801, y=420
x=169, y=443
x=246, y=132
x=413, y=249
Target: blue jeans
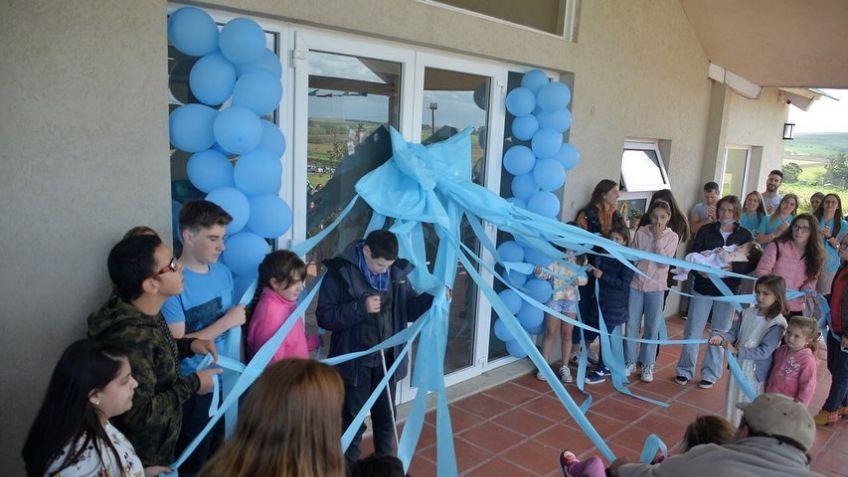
x=699, y=311
x=837, y=364
x=651, y=305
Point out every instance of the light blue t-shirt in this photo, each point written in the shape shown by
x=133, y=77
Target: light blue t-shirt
x=768, y=226
x=831, y=264
x=205, y=298
x=752, y=222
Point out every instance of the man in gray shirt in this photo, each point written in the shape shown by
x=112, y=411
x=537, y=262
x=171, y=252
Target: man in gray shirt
x=704, y=212
x=772, y=197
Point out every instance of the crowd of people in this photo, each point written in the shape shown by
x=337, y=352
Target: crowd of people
x=130, y=397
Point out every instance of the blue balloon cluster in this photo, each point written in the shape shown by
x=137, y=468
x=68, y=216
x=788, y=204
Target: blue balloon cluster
x=234, y=65
x=538, y=160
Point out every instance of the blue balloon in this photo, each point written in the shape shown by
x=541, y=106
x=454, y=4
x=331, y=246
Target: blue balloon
x=175, y=219
x=546, y=143
x=524, y=127
x=268, y=62
x=235, y=203
x=243, y=252
x=536, y=257
x=270, y=216
x=237, y=130
x=208, y=170
x=192, y=31
x=559, y=120
x=520, y=102
x=519, y=160
x=242, y=41
x=515, y=350
x=534, y=80
x=516, y=279
x=549, y=174
x=511, y=300
x=258, y=173
x=212, y=78
x=511, y=252
x=529, y=316
x=501, y=331
x=544, y=203
x=217, y=147
x=517, y=202
x=553, y=96
x=258, y=91
x=568, y=156
x=272, y=139
x=524, y=186
x=539, y=289
x=191, y=127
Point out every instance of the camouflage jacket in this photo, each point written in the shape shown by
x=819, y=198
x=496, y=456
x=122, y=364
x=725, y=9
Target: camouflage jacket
x=153, y=423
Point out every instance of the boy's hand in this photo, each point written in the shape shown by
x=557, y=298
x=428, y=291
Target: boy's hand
x=716, y=340
x=372, y=304
x=235, y=316
x=199, y=346
x=205, y=377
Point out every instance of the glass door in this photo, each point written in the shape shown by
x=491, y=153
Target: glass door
x=735, y=171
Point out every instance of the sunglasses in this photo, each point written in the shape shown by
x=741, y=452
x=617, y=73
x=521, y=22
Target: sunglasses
x=170, y=267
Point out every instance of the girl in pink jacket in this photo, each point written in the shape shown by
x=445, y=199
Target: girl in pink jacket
x=794, y=364
x=281, y=279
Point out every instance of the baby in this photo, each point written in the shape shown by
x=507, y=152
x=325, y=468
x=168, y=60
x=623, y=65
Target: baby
x=721, y=257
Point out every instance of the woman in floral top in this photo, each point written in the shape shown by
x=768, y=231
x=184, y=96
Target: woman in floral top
x=71, y=435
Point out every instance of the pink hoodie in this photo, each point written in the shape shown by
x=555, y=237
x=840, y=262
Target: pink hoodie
x=270, y=313
x=657, y=273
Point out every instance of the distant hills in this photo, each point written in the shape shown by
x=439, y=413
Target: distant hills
x=815, y=145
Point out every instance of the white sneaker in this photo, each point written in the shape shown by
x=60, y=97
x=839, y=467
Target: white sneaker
x=629, y=369
x=565, y=373
x=647, y=374
x=540, y=376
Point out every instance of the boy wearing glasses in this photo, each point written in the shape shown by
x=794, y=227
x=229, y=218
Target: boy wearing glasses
x=145, y=274
x=204, y=309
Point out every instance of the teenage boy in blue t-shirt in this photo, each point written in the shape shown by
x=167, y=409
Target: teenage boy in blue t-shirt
x=204, y=309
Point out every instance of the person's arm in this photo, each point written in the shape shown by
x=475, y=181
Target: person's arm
x=336, y=310
x=416, y=303
x=694, y=222
x=769, y=342
x=729, y=335
x=807, y=380
x=616, y=275
x=235, y=316
x=767, y=261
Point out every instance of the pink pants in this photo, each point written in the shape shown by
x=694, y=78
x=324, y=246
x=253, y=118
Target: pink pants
x=591, y=467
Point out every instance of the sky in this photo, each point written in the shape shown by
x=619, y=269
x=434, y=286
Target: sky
x=825, y=115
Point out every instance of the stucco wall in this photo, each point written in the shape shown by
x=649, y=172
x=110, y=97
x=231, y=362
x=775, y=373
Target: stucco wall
x=85, y=152
x=83, y=159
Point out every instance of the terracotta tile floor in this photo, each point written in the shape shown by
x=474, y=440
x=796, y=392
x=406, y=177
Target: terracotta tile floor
x=519, y=427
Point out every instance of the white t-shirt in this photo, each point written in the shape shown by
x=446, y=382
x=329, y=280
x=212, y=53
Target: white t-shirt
x=102, y=463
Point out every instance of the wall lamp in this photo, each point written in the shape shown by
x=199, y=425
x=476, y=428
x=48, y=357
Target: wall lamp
x=788, y=131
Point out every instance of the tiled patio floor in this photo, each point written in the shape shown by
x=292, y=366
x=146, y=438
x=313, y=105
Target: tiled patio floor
x=518, y=428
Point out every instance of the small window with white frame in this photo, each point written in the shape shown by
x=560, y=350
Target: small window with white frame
x=642, y=174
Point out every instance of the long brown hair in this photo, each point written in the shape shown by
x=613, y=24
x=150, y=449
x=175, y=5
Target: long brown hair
x=777, y=286
x=813, y=252
x=678, y=223
x=774, y=216
x=837, y=217
x=601, y=188
x=290, y=425
x=285, y=267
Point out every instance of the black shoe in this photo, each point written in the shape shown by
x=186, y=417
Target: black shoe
x=681, y=380
x=704, y=384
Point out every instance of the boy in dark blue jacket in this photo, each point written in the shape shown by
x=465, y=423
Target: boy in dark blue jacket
x=614, y=277
x=366, y=298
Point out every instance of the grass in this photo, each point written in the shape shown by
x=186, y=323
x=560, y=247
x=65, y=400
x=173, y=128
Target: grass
x=817, y=144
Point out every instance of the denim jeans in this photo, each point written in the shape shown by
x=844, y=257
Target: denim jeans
x=699, y=311
x=837, y=364
x=649, y=304
x=381, y=414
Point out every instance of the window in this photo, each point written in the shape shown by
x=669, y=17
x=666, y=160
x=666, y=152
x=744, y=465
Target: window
x=555, y=17
x=642, y=174
x=735, y=171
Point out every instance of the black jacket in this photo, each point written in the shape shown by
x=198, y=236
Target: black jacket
x=709, y=237
x=614, y=290
x=341, y=309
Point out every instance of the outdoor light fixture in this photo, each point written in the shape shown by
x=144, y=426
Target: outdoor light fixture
x=788, y=131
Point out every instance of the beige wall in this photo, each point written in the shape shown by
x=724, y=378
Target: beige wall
x=85, y=151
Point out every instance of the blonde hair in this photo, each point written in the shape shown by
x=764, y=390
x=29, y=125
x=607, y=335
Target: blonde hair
x=289, y=426
x=708, y=430
x=809, y=327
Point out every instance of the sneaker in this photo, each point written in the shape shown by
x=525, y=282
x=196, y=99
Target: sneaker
x=566, y=460
x=565, y=374
x=843, y=411
x=825, y=418
x=681, y=380
x=647, y=374
x=540, y=376
x=597, y=376
x=704, y=384
x=629, y=369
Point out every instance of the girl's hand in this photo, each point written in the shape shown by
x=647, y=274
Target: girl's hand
x=716, y=341
x=730, y=347
x=826, y=233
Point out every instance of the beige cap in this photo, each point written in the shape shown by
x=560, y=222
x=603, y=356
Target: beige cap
x=777, y=415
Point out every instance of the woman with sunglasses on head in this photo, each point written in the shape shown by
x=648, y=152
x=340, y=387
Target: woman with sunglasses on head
x=71, y=434
x=777, y=223
x=832, y=227
x=797, y=256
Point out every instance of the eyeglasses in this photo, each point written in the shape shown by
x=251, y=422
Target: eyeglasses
x=801, y=228
x=170, y=267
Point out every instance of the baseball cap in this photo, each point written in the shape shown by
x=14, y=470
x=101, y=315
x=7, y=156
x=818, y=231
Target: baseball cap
x=777, y=415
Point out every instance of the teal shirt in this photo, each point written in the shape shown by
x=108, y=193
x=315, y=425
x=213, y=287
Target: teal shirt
x=767, y=226
x=831, y=263
x=752, y=222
